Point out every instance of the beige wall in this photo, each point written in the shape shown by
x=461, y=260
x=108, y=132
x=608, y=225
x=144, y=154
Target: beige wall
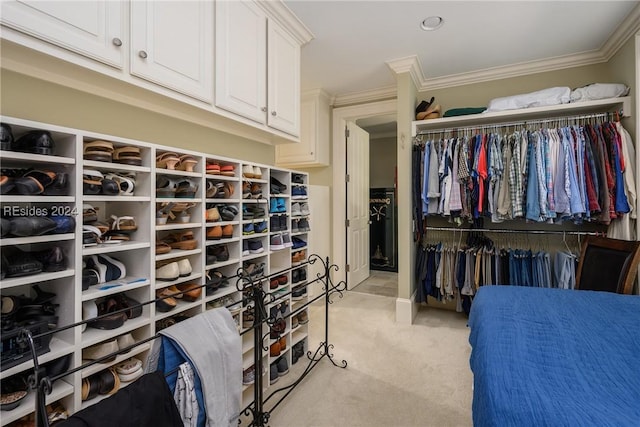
x=33, y=99
x=622, y=69
x=382, y=162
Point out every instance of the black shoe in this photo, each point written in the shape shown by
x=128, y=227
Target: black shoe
x=6, y=137
x=59, y=186
x=52, y=259
x=35, y=141
x=276, y=186
x=24, y=226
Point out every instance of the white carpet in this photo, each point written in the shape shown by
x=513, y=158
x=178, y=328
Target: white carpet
x=397, y=375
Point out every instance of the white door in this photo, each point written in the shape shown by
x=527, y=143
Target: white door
x=172, y=45
x=241, y=58
x=95, y=29
x=357, y=205
x=283, y=80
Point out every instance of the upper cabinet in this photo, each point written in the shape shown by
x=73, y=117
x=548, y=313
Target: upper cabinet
x=283, y=77
x=172, y=45
x=257, y=66
x=313, y=148
x=95, y=29
x=238, y=60
x=241, y=59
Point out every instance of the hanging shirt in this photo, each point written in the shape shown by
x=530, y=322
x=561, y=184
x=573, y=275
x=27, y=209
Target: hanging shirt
x=425, y=179
x=515, y=177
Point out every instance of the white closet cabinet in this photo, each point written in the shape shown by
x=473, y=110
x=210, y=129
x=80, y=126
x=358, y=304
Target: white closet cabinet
x=172, y=45
x=223, y=245
x=315, y=122
x=95, y=29
x=246, y=41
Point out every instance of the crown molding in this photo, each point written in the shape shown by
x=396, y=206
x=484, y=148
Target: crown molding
x=408, y=64
x=513, y=70
x=280, y=12
x=629, y=27
x=381, y=94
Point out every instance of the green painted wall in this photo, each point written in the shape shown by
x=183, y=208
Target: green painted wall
x=38, y=100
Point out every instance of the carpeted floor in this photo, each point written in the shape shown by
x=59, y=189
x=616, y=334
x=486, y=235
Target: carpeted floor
x=397, y=375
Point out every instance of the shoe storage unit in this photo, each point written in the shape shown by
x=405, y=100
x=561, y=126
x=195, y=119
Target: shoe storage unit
x=94, y=223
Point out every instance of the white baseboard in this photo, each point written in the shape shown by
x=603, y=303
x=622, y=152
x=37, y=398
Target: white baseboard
x=406, y=311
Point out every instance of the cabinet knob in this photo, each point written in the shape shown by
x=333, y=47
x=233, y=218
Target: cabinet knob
x=264, y=109
x=116, y=41
x=273, y=113
x=142, y=54
x=311, y=153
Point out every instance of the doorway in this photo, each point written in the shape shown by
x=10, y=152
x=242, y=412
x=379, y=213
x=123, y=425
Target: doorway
x=366, y=116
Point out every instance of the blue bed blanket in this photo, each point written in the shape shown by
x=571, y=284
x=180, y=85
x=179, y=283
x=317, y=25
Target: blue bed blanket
x=555, y=357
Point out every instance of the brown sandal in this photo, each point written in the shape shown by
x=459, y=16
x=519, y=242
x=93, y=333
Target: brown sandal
x=184, y=240
x=127, y=155
x=162, y=248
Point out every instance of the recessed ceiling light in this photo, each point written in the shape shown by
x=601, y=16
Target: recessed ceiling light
x=432, y=23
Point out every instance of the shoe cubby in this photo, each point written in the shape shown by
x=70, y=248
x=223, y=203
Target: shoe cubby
x=87, y=205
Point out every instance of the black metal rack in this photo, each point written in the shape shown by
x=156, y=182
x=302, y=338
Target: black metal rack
x=253, y=293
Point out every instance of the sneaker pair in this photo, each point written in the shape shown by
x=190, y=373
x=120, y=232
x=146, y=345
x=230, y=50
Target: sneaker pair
x=297, y=352
x=276, y=186
x=278, y=223
x=277, y=205
x=298, y=192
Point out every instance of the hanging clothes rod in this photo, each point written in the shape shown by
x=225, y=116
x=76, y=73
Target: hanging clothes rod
x=508, y=231
x=472, y=128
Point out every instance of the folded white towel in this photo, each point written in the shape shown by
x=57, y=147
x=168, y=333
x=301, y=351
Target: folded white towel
x=541, y=98
x=597, y=91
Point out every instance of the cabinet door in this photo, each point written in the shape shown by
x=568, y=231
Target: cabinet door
x=241, y=59
x=94, y=29
x=302, y=152
x=172, y=45
x=283, y=80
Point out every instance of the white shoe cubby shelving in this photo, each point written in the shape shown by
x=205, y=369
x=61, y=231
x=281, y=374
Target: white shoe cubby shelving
x=171, y=203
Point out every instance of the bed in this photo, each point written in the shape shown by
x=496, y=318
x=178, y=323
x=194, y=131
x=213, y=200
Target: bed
x=554, y=357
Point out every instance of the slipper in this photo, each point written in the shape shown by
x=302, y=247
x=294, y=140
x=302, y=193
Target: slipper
x=93, y=182
x=182, y=240
x=212, y=190
x=123, y=224
x=186, y=189
x=127, y=155
x=89, y=213
x=162, y=248
x=167, y=160
x=167, y=302
x=165, y=187
x=34, y=182
x=101, y=151
x=227, y=170
x=126, y=183
x=186, y=163
x=213, y=168
x=129, y=370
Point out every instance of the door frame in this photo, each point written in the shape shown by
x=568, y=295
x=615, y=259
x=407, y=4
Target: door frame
x=341, y=116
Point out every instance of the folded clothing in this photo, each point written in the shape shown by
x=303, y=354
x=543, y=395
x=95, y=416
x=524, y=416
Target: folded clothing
x=541, y=98
x=597, y=91
x=465, y=111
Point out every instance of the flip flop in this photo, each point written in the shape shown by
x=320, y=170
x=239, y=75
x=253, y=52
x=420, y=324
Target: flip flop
x=101, y=151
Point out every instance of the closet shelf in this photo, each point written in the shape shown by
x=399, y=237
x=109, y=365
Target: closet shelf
x=562, y=110
x=35, y=278
x=36, y=158
x=116, y=198
x=57, y=348
x=60, y=389
x=111, y=248
x=37, y=199
x=93, y=336
x=178, y=226
x=181, y=307
x=123, y=285
x=37, y=239
x=101, y=366
x=176, y=253
x=160, y=284
x=179, y=173
x=104, y=166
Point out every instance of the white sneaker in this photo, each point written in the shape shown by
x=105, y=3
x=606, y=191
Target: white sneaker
x=295, y=209
x=304, y=209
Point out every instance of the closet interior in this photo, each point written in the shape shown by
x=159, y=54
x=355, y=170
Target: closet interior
x=506, y=198
x=93, y=224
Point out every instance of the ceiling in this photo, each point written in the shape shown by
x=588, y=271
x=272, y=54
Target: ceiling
x=354, y=40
